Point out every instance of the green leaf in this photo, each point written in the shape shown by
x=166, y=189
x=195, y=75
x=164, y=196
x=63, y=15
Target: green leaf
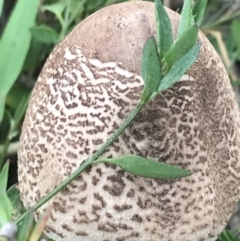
x=180, y=47
x=36, y=54
x=146, y=168
x=38, y=228
x=164, y=29
x=17, y=98
x=186, y=19
x=4, y=177
x=179, y=68
x=1, y=6
x=5, y=208
x=17, y=205
x=236, y=34
x=227, y=236
x=5, y=127
x=5, y=204
x=26, y=227
x=45, y=34
x=199, y=10
x=76, y=9
x=14, y=46
x=57, y=9
x=150, y=68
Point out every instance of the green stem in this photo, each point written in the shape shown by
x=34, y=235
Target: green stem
x=89, y=161
x=66, y=21
x=17, y=118
x=4, y=153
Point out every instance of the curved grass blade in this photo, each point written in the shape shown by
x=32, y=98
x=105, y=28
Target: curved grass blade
x=150, y=68
x=181, y=47
x=235, y=27
x=5, y=208
x=164, y=29
x=227, y=236
x=26, y=227
x=179, y=68
x=198, y=11
x=143, y=167
x=1, y=7
x=39, y=226
x=4, y=176
x=5, y=204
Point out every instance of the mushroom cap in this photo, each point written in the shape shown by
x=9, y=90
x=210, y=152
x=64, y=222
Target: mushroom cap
x=88, y=86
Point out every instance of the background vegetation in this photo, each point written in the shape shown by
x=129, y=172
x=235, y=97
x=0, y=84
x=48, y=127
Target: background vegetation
x=23, y=53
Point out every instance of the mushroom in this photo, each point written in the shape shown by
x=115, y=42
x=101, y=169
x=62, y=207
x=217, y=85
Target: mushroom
x=88, y=86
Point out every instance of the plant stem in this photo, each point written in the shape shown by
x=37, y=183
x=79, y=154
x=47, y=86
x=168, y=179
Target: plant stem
x=65, y=22
x=4, y=153
x=89, y=161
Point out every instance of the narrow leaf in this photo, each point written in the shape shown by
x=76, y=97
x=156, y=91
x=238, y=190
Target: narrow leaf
x=38, y=228
x=186, y=19
x=1, y=6
x=35, y=55
x=5, y=127
x=57, y=9
x=5, y=208
x=150, y=68
x=17, y=98
x=16, y=202
x=179, y=68
x=26, y=227
x=164, y=29
x=198, y=11
x=14, y=46
x=180, y=47
x=45, y=34
x=235, y=30
x=4, y=176
x=227, y=236
x=146, y=168
x=5, y=204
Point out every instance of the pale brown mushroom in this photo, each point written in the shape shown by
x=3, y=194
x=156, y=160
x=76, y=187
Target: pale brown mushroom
x=88, y=86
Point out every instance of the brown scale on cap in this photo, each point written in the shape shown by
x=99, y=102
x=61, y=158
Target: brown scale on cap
x=89, y=85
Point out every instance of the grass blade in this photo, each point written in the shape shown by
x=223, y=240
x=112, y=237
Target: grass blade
x=5, y=208
x=151, y=69
x=26, y=227
x=146, y=168
x=227, y=236
x=1, y=6
x=179, y=68
x=235, y=27
x=14, y=45
x=39, y=226
x=164, y=29
x=4, y=176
